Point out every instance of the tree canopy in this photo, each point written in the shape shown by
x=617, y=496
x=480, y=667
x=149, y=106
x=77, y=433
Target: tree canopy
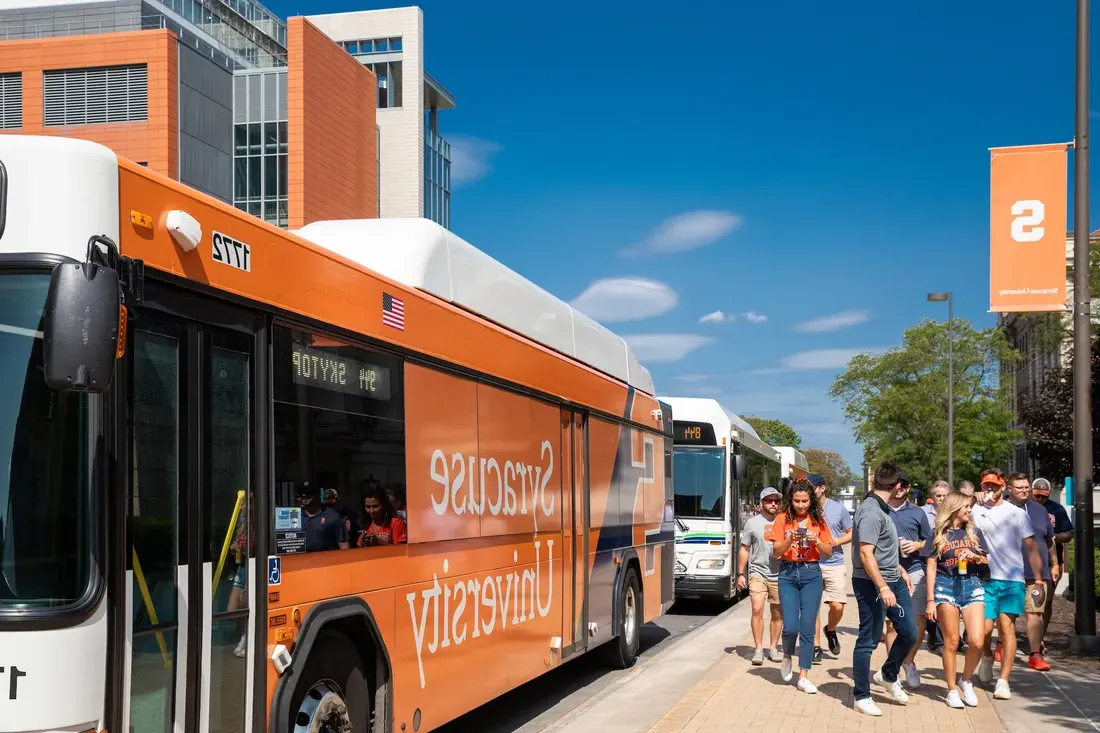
x=897, y=401
x=1047, y=420
x=831, y=465
x=775, y=432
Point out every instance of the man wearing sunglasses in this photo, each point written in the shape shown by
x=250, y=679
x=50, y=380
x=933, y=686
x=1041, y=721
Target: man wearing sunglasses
x=762, y=578
x=1010, y=537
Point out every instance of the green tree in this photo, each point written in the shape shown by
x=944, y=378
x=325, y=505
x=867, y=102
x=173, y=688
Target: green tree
x=897, y=401
x=831, y=465
x=1047, y=420
x=775, y=432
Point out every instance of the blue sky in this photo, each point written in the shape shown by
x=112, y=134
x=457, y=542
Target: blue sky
x=817, y=166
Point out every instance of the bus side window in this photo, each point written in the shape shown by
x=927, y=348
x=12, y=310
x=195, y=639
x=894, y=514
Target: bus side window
x=339, y=445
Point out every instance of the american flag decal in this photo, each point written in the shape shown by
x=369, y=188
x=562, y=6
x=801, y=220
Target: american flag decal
x=393, y=312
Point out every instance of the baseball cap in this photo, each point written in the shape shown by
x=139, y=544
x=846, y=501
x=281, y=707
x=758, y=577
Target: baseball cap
x=991, y=478
x=816, y=479
x=305, y=487
x=769, y=491
x=331, y=495
x=1041, y=486
x=904, y=477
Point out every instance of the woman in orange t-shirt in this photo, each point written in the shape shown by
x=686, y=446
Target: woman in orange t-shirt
x=800, y=537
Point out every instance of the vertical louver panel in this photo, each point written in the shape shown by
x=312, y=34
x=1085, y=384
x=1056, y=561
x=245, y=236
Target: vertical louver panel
x=11, y=101
x=95, y=96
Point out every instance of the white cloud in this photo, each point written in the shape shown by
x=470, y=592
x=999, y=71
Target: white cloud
x=754, y=317
x=685, y=232
x=625, y=299
x=824, y=358
x=834, y=322
x=720, y=317
x=665, y=347
x=471, y=158
x=694, y=378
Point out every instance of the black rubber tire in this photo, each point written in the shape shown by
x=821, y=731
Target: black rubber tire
x=619, y=653
x=333, y=657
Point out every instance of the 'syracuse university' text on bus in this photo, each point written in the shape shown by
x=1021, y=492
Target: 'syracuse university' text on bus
x=255, y=482
x=720, y=466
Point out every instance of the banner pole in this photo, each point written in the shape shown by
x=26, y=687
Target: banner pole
x=1085, y=639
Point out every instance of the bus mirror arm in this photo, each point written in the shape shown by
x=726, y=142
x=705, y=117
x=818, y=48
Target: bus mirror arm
x=83, y=323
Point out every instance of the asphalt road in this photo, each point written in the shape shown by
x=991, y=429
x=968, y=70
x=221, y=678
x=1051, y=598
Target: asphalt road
x=542, y=701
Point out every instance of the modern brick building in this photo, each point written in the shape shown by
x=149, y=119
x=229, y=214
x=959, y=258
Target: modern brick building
x=275, y=117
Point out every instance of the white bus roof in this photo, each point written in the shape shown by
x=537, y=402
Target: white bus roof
x=422, y=254
x=794, y=457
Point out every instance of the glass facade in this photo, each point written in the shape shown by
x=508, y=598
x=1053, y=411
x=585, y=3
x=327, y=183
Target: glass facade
x=260, y=145
x=217, y=27
x=389, y=83
x=437, y=178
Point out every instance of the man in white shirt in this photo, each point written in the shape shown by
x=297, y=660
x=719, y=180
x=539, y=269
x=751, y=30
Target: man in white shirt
x=1009, y=537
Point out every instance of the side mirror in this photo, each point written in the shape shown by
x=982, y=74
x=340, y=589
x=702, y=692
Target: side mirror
x=740, y=467
x=81, y=324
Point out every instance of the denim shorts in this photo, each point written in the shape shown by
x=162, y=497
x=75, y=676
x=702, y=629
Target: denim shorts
x=959, y=591
x=240, y=578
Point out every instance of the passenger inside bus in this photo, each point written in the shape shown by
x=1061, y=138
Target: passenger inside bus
x=381, y=524
x=324, y=529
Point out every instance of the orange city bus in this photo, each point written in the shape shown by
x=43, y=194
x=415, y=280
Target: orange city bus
x=360, y=477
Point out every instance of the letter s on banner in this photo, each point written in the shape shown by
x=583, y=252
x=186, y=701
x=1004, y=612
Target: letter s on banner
x=1027, y=238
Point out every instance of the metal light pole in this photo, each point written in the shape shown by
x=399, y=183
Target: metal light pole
x=1085, y=639
x=939, y=298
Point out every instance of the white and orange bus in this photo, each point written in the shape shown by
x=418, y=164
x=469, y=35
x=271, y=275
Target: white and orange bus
x=361, y=477
x=794, y=464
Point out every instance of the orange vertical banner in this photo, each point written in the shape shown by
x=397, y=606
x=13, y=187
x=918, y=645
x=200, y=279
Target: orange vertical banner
x=1027, y=228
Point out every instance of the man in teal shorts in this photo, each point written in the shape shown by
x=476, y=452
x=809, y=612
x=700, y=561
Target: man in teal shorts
x=1009, y=536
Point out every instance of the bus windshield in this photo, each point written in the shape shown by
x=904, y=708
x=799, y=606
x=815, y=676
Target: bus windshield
x=699, y=481
x=45, y=553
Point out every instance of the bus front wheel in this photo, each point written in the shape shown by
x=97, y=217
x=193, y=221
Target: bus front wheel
x=332, y=695
x=622, y=651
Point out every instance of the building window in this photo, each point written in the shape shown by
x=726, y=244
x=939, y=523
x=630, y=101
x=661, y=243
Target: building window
x=95, y=95
x=368, y=46
x=390, y=85
x=437, y=178
x=11, y=101
x=261, y=146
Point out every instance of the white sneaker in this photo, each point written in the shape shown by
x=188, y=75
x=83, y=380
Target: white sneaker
x=1002, y=691
x=912, y=676
x=758, y=658
x=953, y=699
x=894, y=688
x=966, y=692
x=242, y=648
x=787, y=670
x=775, y=655
x=867, y=707
x=985, y=670
x=806, y=686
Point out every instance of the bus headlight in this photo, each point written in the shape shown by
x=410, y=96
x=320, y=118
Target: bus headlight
x=711, y=564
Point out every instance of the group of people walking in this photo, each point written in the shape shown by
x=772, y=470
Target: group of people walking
x=970, y=562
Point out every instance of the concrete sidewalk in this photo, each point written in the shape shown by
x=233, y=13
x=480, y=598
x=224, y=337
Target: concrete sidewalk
x=755, y=698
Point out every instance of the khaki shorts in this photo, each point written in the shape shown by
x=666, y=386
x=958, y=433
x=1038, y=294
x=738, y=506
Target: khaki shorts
x=762, y=587
x=1029, y=604
x=834, y=584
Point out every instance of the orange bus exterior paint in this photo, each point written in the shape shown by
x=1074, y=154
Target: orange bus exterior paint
x=489, y=588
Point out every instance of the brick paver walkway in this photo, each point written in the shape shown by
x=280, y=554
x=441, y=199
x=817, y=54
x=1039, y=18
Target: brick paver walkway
x=734, y=695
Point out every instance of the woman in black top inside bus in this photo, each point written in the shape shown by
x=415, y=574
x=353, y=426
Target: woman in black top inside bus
x=381, y=523
x=959, y=555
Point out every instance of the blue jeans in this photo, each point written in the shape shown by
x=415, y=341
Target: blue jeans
x=872, y=614
x=800, y=600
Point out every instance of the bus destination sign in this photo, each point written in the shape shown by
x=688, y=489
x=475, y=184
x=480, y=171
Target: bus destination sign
x=693, y=433
x=316, y=368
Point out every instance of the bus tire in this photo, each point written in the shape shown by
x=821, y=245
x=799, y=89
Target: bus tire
x=332, y=688
x=622, y=651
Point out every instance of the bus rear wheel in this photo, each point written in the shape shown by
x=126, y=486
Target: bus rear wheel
x=622, y=651
x=332, y=695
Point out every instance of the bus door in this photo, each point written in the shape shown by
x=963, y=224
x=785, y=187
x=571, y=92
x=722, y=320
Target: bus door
x=575, y=533
x=192, y=391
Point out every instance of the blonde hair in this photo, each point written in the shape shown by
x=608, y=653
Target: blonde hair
x=945, y=516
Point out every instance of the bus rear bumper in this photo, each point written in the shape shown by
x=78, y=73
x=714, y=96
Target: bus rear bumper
x=703, y=586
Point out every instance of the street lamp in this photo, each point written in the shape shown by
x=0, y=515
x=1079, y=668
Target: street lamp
x=939, y=298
